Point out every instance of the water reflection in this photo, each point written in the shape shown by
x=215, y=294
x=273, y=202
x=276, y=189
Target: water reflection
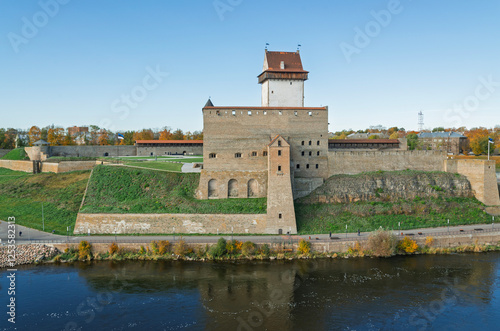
x=456, y=291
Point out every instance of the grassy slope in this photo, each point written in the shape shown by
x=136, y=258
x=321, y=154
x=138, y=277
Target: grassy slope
x=22, y=194
x=130, y=190
x=370, y=215
x=16, y=154
x=168, y=166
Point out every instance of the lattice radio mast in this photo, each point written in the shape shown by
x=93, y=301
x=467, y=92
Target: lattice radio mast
x=420, y=121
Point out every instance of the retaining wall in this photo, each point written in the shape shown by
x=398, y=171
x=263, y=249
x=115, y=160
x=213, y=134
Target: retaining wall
x=27, y=166
x=165, y=223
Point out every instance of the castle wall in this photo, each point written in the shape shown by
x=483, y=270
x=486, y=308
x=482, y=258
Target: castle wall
x=249, y=184
x=170, y=150
x=27, y=166
x=354, y=162
x=165, y=223
x=283, y=93
x=93, y=151
x=482, y=176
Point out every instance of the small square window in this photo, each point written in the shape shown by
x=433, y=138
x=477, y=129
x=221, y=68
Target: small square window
x=295, y=113
x=310, y=143
x=254, y=153
x=279, y=168
x=302, y=153
x=249, y=113
x=317, y=143
x=279, y=142
x=280, y=112
x=233, y=112
x=307, y=166
x=237, y=155
x=264, y=153
x=298, y=166
x=302, y=142
x=317, y=166
x=279, y=152
x=310, y=113
x=310, y=153
x=265, y=112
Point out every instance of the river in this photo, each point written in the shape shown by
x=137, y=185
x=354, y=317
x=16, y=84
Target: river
x=415, y=292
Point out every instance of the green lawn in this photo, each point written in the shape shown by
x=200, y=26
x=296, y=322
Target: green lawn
x=16, y=154
x=22, y=194
x=157, y=165
x=131, y=190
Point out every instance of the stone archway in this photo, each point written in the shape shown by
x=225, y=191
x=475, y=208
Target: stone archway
x=232, y=188
x=253, y=188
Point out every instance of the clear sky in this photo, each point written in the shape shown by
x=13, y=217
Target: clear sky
x=372, y=62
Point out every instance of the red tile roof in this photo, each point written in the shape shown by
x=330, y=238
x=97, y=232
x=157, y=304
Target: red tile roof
x=292, y=62
x=169, y=141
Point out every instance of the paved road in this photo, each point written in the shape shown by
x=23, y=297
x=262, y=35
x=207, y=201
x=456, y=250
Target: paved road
x=30, y=235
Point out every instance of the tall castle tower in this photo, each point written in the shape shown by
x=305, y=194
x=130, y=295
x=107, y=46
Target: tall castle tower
x=282, y=80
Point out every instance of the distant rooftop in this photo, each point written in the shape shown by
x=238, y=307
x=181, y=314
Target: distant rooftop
x=441, y=135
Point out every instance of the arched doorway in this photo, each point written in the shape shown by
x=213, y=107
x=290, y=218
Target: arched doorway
x=232, y=188
x=212, y=188
x=253, y=188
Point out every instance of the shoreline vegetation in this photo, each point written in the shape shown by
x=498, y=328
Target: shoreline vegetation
x=380, y=244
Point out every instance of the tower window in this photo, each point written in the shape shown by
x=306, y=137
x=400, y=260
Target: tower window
x=280, y=112
x=310, y=153
x=264, y=153
x=279, y=168
x=317, y=143
x=237, y=155
x=265, y=112
x=295, y=113
x=279, y=142
x=290, y=83
x=279, y=152
x=310, y=113
x=310, y=143
x=317, y=153
x=212, y=156
x=298, y=166
x=233, y=112
x=302, y=153
x=307, y=166
x=302, y=142
x=249, y=113
x=280, y=215
x=254, y=153
x=317, y=166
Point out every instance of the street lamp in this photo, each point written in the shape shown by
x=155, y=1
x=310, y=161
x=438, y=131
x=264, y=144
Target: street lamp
x=346, y=231
x=448, y=225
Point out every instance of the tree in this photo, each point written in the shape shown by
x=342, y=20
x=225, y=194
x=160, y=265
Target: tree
x=145, y=134
x=394, y=135
x=178, y=135
x=69, y=140
x=478, y=140
x=34, y=135
x=94, y=134
x=412, y=140
x=374, y=136
x=103, y=137
x=55, y=136
x=438, y=129
x=165, y=134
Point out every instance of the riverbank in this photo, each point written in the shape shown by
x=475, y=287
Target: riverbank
x=378, y=244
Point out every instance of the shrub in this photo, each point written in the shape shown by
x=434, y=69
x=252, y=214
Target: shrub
x=429, y=241
x=356, y=250
x=163, y=246
x=265, y=250
x=219, y=249
x=248, y=248
x=181, y=248
x=113, y=248
x=408, y=245
x=154, y=247
x=304, y=247
x=382, y=243
x=84, y=250
x=142, y=250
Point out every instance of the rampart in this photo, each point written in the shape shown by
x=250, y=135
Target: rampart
x=170, y=223
x=355, y=162
x=27, y=166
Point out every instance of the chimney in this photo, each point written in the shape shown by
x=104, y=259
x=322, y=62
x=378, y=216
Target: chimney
x=282, y=65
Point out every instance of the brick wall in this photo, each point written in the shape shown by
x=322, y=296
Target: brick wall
x=165, y=223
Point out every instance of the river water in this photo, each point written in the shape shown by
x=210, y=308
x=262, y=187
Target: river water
x=417, y=292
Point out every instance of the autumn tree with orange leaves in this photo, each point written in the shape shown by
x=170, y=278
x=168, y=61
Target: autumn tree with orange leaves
x=34, y=135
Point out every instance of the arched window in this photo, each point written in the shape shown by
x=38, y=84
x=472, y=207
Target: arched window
x=232, y=188
x=317, y=143
x=310, y=143
x=303, y=142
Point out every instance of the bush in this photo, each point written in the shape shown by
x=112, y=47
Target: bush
x=265, y=250
x=382, y=243
x=304, y=247
x=181, y=248
x=163, y=247
x=84, y=250
x=429, y=241
x=408, y=245
x=154, y=247
x=248, y=248
x=113, y=248
x=219, y=249
x=142, y=250
x=356, y=250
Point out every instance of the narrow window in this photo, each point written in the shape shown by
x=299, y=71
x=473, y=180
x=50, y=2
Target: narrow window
x=279, y=152
x=218, y=113
x=249, y=113
x=310, y=153
x=237, y=155
x=317, y=143
x=295, y=113
x=279, y=168
x=298, y=166
x=212, y=156
x=280, y=113
x=310, y=143
x=233, y=112
x=317, y=166
x=279, y=142
x=302, y=153
x=265, y=112
x=317, y=153
x=280, y=215
x=307, y=166
x=290, y=83
x=302, y=142
x=264, y=153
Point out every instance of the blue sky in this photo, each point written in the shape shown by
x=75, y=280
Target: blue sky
x=441, y=57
